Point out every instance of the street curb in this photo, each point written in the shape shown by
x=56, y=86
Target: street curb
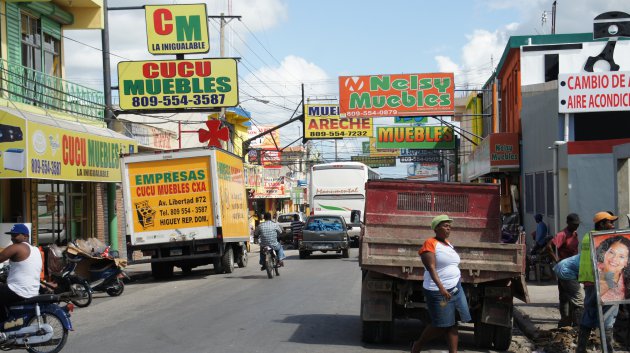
x=524, y=324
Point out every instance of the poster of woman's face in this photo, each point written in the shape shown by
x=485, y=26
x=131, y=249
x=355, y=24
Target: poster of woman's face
x=611, y=267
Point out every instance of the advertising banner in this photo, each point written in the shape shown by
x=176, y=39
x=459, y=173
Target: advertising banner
x=424, y=171
x=397, y=95
x=593, y=92
x=375, y=162
x=609, y=252
x=427, y=158
x=233, y=200
x=13, y=146
x=271, y=158
x=171, y=192
x=270, y=141
x=322, y=121
x=176, y=84
x=381, y=152
x=177, y=29
x=416, y=137
x=414, y=120
x=498, y=152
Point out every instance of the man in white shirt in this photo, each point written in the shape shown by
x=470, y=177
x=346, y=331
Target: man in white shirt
x=26, y=266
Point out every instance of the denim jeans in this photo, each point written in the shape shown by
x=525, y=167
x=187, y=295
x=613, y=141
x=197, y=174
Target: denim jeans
x=279, y=250
x=590, y=317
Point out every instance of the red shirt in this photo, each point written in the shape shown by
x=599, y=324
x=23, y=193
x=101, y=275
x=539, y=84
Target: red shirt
x=566, y=243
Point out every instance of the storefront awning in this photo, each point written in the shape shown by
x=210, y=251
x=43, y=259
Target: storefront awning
x=43, y=147
x=497, y=153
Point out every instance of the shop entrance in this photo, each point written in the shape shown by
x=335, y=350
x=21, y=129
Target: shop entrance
x=62, y=211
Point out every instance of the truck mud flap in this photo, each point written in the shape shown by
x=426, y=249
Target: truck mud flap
x=519, y=289
x=376, y=299
x=497, y=306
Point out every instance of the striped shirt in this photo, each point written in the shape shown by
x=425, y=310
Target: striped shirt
x=268, y=232
x=296, y=228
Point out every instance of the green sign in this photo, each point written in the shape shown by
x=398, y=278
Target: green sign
x=375, y=162
x=365, y=147
x=416, y=137
x=416, y=120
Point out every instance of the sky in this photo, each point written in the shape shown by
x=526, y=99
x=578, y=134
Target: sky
x=284, y=44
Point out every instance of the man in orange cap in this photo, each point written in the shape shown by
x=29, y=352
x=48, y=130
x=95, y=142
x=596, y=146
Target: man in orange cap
x=602, y=221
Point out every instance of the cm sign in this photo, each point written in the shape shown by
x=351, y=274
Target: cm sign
x=177, y=29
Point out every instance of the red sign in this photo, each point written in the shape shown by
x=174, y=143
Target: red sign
x=397, y=95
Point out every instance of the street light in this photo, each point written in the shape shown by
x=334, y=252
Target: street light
x=556, y=183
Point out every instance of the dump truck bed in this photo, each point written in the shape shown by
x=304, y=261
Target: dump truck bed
x=398, y=216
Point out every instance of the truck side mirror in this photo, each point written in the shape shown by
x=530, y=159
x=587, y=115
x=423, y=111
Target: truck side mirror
x=355, y=216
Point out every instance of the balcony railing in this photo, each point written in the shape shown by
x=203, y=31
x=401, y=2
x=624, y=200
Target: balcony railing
x=25, y=85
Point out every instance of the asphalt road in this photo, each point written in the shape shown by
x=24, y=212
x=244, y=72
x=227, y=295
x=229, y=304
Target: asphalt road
x=313, y=306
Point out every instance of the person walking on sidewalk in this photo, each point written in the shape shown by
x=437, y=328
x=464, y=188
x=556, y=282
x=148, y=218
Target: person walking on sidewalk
x=569, y=291
x=267, y=233
x=442, y=288
x=590, y=318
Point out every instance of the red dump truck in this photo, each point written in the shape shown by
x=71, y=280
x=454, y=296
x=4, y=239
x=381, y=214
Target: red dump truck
x=397, y=220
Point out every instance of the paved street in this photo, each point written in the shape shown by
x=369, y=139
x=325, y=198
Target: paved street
x=312, y=307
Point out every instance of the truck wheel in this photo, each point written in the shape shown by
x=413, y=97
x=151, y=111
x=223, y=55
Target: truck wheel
x=377, y=331
x=162, y=270
x=345, y=253
x=243, y=258
x=502, y=337
x=228, y=260
x=303, y=254
x=484, y=335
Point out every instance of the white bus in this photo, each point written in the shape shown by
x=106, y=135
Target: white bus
x=338, y=188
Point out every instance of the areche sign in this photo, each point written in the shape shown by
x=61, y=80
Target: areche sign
x=172, y=84
x=397, y=95
x=177, y=29
x=322, y=121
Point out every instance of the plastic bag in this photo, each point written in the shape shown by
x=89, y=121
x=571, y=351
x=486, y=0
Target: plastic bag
x=569, y=268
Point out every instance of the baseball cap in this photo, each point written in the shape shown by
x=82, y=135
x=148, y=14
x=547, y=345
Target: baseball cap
x=19, y=228
x=439, y=219
x=600, y=216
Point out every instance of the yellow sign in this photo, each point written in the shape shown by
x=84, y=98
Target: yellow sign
x=177, y=29
x=12, y=146
x=382, y=152
x=233, y=198
x=322, y=121
x=171, y=194
x=204, y=83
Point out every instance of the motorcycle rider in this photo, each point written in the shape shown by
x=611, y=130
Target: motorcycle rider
x=26, y=265
x=267, y=233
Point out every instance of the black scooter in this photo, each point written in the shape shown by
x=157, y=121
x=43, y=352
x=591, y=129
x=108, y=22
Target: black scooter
x=68, y=286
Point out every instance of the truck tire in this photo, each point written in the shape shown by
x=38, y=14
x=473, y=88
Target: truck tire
x=303, y=254
x=377, y=331
x=227, y=261
x=242, y=258
x=502, y=337
x=484, y=335
x=162, y=270
x=345, y=253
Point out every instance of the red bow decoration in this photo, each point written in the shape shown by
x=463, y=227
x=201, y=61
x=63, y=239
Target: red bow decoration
x=214, y=133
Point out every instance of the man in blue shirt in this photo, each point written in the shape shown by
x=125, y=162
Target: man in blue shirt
x=541, y=234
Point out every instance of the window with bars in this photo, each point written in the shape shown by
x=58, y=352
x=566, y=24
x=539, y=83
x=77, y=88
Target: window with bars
x=540, y=199
x=529, y=193
x=550, y=193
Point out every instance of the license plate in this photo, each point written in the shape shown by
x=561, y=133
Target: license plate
x=176, y=252
x=322, y=246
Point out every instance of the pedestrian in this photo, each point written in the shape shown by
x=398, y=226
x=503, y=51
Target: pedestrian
x=613, y=269
x=296, y=229
x=569, y=291
x=540, y=235
x=25, y=271
x=442, y=287
x=268, y=232
x=590, y=318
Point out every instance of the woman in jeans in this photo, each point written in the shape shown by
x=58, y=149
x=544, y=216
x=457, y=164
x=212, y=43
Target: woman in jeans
x=443, y=291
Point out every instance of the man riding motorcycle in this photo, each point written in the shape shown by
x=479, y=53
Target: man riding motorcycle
x=26, y=265
x=268, y=232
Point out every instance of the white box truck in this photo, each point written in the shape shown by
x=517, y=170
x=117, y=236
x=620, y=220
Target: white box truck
x=186, y=208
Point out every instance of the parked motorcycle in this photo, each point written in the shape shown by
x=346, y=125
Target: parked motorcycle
x=68, y=285
x=37, y=324
x=271, y=261
x=107, y=277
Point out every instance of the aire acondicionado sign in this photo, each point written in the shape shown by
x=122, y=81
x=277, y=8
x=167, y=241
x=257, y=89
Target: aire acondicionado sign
x=202, y=83
x=593, y=92
x=397, y=95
